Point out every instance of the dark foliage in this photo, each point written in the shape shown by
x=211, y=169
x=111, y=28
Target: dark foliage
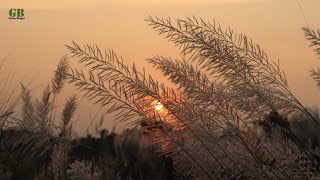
x=117, y=159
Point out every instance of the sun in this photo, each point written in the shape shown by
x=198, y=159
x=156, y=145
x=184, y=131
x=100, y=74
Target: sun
x=157, y=105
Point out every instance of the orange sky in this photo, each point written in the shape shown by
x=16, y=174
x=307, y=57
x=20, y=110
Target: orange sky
x=34, y=45
x=48, y=4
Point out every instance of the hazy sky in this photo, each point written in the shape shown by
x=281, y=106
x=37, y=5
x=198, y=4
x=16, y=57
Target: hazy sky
x=35, y=45
x=49, y=4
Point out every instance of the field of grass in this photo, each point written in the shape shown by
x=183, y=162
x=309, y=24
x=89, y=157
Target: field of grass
x=230, y=114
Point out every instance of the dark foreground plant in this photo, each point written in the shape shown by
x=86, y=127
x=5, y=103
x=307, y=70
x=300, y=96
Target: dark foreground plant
x=209, y=123
x=40, y=144
x=110, y=156
x=35, y=137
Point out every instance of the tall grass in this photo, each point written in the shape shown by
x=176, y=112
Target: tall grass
x=230, y=114
x=8, y=99
x=226, y=90
x=42, y=146
x=314, y=38
x=37, y=133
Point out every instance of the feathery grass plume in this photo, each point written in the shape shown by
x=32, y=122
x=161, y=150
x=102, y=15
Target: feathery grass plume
x=35, y=114
x=314, y=39
x=84, y=171
x=67, y=114
x=35, y=137
x=238, y=63
x=42, y=111
x=130, y=92
x=28, y=120
x=205, y=126
x=215, y=96
x=315, y=74
x=60, y=75
x=39, y=115
x=37, y=123
x=233, y=59
x=197, y=125
x=313, y=36
x=57, y=83
x=8, y=98
x=60, y=158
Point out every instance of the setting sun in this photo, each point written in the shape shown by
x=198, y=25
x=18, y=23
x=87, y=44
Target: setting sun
x=157, y=105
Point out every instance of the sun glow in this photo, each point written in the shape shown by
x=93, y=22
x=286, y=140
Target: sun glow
x=157, y=105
